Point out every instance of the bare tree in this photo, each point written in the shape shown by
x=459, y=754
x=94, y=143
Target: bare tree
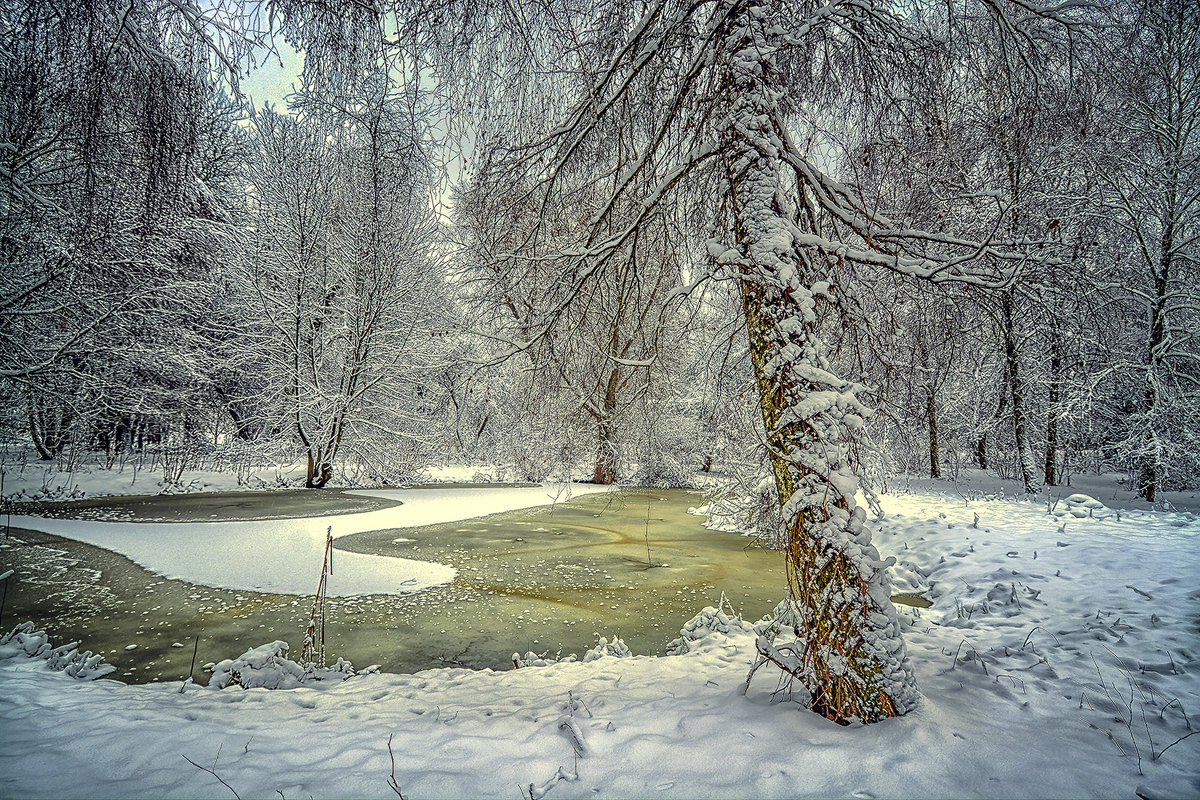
x=734, y=107
x=604, y=349
x=342, y=270
x=110, y=209
x=1151, y=187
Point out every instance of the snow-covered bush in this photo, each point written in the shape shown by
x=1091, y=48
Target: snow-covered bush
x=268, y=667
x=615, y=648
x=532, y=659
x=24, y=640
x=710, y=620
x=751, y=509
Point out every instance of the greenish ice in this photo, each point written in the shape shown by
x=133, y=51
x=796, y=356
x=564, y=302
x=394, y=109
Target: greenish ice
x=631, y=563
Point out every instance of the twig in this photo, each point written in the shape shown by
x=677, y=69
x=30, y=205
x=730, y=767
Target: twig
x=1139, y=591
x=1108, y=733
x=1014, y=679
x=649, y=562
x=1037, y=628
x=213, y=772
x=391, y=781
x=1167, y=705
x=1129, y=725
x=195, y=650
x=1172, y=744
x=954, y=663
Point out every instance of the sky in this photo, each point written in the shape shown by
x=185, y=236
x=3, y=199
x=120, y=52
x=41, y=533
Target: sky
x=275, y=77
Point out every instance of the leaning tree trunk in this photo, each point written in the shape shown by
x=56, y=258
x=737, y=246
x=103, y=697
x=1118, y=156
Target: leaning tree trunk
x=850, y=656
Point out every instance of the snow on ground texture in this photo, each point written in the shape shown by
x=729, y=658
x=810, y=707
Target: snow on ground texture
x=284, y=556
x=1026, y=665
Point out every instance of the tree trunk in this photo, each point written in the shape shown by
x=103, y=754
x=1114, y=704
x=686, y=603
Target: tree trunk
x=320, y=470
x=48, y=425
x=244, y=429
x=1017, y=395
x=1052, y=410
x=1150, y=472
x=852, y=660
x=935, y=469
x=606, y=455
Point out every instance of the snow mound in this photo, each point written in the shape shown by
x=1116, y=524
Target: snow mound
x=709, y=621
x=24, y=640
x=1082, y=506
x=268, y=667
x=909, y=576
x=614, y=649
x=532, y=659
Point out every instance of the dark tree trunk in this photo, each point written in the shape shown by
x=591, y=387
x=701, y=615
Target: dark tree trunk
x=1150, y=472
x=1052, y=410
x=935, y=469
x=1016, y=394
x=48, y=425
x=606, y=454
x=320, y=471
x=244, y=429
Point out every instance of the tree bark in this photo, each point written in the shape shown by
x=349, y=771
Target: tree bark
x=606, y=455
x=1150, y=472
x=852, y=661
x=1016, y=392
x=47, y=428
x=320, y=470
x=935, y=469
x=1052, y=410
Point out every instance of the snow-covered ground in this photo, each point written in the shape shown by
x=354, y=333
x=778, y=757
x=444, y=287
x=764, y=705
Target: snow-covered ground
x=1061, y=658
x=28, y=479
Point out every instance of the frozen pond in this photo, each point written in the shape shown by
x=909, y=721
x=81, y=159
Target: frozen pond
x=544, y=579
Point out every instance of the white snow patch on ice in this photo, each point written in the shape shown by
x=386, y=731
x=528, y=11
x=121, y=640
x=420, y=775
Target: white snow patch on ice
x=284, y=556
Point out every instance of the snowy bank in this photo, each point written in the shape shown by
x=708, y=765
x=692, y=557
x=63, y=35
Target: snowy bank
x=1055, y=662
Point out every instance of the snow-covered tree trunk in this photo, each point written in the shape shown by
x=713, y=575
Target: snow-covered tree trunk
x=606, y=435
x=854, y=663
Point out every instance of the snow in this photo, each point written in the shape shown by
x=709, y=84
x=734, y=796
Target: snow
x=27, y=479
x=1035, y=664
x=285, y=556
